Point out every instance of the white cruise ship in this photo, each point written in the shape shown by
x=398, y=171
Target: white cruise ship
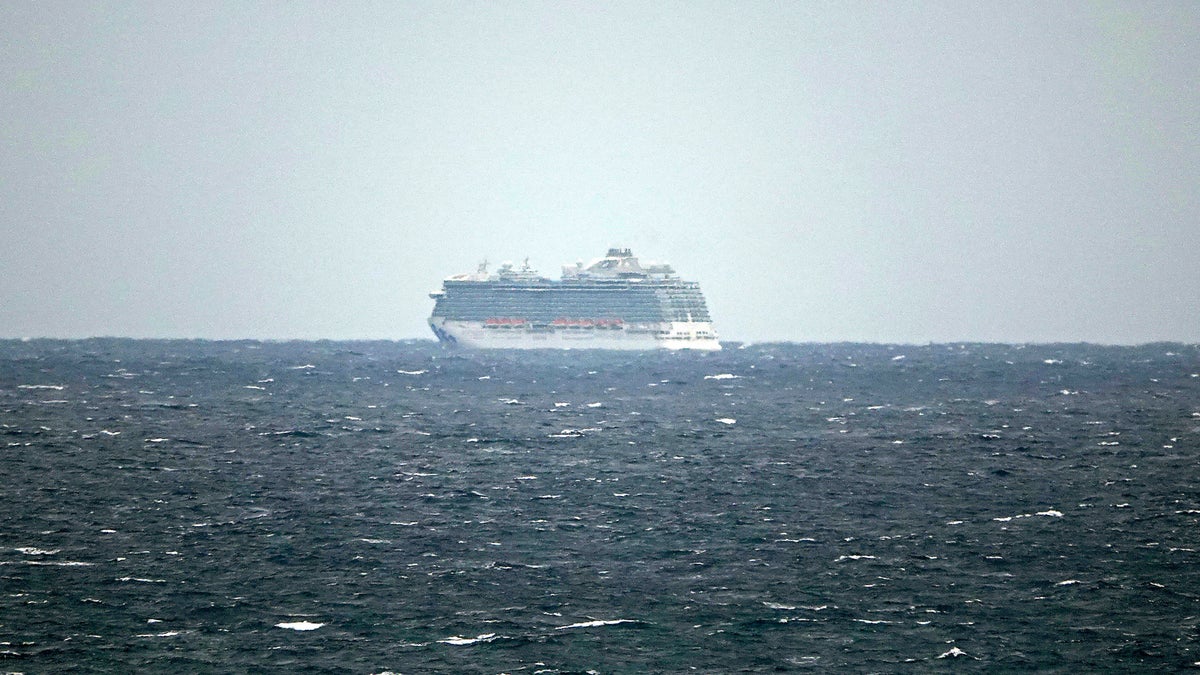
x=612, y=303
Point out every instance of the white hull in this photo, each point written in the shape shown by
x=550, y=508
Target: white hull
x=673, y=336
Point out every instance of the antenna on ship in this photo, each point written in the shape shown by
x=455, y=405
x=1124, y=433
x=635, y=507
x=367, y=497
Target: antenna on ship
x=525, y=265
x=483, y=266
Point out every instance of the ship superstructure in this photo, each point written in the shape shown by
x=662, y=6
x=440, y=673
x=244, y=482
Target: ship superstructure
x=612, y=303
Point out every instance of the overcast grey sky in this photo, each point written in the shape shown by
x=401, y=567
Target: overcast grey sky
x=883, y=171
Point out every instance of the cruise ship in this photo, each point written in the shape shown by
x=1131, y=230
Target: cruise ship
x=614, y=302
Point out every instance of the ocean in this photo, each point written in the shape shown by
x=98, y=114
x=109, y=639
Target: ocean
x=393, y=507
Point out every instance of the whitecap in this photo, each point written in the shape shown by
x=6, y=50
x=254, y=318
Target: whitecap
x=594, y=624
x=299, y=625
x=573, y=433
x=169, y=633
x=412, y=372
x=49, y=563
x=459, y=641
x=723, y=376
x=254, y=386
x=157, y=440
x=954, y=652
x=55, y=387
x=1069, y=582
x=1052, y=513
x=307, y=366
x=843, y=558
x=30, y=550
x=776, y=605
x=726, y=420
x=594, y=405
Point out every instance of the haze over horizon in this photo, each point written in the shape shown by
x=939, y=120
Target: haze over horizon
x=928, y=172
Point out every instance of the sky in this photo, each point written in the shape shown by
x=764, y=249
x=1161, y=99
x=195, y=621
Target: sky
x=848, y=171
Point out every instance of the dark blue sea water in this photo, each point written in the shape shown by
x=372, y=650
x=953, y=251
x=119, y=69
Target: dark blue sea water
x=179, y=506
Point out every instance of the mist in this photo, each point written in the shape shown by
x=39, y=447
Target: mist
x=1012, y=172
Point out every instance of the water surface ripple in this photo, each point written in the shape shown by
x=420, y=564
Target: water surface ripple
x=180, y=506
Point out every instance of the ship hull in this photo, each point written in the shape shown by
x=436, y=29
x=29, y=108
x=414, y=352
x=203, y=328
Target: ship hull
x=481, y=335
